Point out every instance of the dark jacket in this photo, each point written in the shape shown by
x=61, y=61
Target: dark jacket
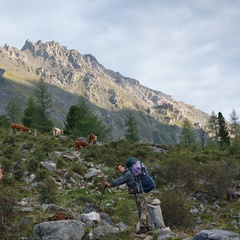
x=129, y=179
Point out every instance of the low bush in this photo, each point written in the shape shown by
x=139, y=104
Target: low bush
x=175, y=210
x=47, y=192
x=7, y=202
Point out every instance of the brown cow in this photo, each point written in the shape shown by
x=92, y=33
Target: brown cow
x=92, y=138
x=19, y=127
x=78, y=144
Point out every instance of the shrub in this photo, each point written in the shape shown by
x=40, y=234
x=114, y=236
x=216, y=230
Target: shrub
x=217, y=178
x=47, y=146
x=39, y=154
x=18, y=174
x=6, y=164
x=7, y=213
x=61, y=162
x=175, y=210
x=79, y=168
x=47, y=191
x=32, y=165
x=27, y=146
x=41, y=174
x=16, y=156
x=8, y=152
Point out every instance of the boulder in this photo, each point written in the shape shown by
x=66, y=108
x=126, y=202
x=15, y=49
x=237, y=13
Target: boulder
x=61, y=230
x=216, y=234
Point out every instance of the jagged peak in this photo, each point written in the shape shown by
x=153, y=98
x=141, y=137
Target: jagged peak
x=54, y=48
x=31, y=46
x=28, y=45
x=90, y=58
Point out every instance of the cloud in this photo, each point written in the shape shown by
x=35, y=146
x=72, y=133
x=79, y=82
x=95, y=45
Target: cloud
x=187, y=49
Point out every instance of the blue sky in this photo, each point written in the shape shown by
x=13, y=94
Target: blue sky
x=189, y=49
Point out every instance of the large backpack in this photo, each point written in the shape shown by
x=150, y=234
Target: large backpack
x=141, y=174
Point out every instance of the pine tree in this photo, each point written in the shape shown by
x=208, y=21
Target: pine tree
x=72, y=119
x=224, y=139
x=187, y=135
x=80, y=121
x=131, y=129
x=213, y=127
x=30, y=114
x=43, y=101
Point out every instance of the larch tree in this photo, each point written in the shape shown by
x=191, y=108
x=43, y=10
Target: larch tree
x=213, y=127
x=13, y=110
x=43, y=101
x=131, y=129
x=187, y=136
x=235, y=125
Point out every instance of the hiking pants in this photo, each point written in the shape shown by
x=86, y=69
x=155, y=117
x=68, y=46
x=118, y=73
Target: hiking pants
x=141, y=203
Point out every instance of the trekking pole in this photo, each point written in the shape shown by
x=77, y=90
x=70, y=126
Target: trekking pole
x=100, y=198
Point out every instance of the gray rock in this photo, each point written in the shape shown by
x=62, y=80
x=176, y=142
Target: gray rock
x=102, y=231
x=122, y=226
x=165, y=233
x=51, y=166
x=105, y=217
x=92, y=172
x=51, y=207
x=155, y=214
x=216, y=234
x=92, y=216
x=61, y=230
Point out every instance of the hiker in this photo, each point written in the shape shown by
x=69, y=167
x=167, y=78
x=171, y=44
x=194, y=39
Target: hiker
x=140, y=199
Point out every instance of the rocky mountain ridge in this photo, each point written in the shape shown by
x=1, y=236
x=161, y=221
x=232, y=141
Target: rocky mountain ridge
x=71, y=74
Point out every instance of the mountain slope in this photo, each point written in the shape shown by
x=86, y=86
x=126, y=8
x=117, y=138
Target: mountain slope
x=71, y=74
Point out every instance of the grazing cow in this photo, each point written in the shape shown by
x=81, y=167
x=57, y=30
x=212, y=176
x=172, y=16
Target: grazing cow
x=19, y=127
x=92, y=138
x=57, y=131
x=78, y=144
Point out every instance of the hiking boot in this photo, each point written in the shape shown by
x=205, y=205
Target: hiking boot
x=149, y=228
x=142, y=230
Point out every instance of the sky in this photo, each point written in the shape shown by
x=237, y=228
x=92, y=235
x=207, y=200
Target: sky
x=189, y=49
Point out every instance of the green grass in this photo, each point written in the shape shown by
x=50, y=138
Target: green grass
x=179, y=172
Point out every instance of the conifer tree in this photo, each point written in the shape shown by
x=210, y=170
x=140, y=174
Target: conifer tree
x=30, y=114
x=187, y=135
x=224, y=139
x=80, y=121
x=235, y=125
x=13, y=110
x=213, y=127
x=43, y=101
x=131, y=129
x=72, y=119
